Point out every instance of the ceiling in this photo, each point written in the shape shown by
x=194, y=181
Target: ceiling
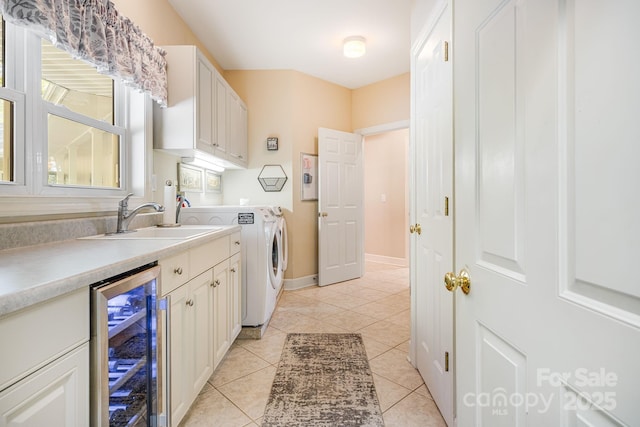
x=304, y=35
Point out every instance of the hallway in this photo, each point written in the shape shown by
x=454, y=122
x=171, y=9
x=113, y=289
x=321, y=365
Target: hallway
x=377, y=306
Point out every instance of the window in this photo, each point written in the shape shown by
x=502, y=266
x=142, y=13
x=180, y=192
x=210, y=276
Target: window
x=83, y=140
x=6, y=124
x=72, y=140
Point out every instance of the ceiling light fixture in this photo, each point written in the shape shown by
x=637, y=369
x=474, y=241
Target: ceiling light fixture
x=354, y=47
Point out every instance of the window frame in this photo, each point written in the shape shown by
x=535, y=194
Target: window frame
x=133, y=115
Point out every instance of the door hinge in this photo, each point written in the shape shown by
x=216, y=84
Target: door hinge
x=446, y=206
x=445, y=46
x=446, y=361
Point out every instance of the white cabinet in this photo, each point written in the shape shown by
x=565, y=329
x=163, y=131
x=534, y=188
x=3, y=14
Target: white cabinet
x=237, y=129
x=56, y=395
x=227, y=300
x=220, y=142
x=45, y=365
x=186, y=124
x=235, y=299
x=191, y=342
x=204, y=114
x=204, y=315
x=221, y=321
x=205, y=94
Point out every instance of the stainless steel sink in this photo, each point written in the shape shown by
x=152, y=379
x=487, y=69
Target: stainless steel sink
x=180, y=233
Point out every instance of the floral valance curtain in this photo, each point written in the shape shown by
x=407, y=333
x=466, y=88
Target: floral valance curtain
x=94, y=31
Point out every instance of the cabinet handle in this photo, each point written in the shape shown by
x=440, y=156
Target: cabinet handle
x=190, y=303
x=217, y=283
x=237, y=242
x=233, y=270
x=178, y=271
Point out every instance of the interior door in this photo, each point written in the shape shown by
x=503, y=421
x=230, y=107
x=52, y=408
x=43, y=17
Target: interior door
x=546, y=102
x=432, y=227
x=340, y=205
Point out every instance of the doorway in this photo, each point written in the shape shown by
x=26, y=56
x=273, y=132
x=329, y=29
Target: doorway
x=386, y=198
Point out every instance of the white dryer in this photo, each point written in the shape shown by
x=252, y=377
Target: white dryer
x=261, y=254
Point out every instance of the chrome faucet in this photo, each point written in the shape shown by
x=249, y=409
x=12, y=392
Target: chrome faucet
x=180, y=198
x=125, y=216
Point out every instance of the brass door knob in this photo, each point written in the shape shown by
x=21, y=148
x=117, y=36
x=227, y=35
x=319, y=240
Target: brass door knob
x=415, y=229
x=462, y=281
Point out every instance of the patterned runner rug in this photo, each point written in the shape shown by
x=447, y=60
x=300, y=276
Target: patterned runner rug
x=323, y=380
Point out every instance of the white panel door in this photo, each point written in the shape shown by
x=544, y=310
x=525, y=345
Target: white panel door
x=341, y=216
x=432, y=148
x=546, y=141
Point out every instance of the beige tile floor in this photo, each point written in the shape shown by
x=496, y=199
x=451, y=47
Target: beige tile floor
x=376, y=305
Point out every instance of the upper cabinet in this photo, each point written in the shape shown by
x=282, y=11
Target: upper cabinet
x=237, y=129
x=204, y=113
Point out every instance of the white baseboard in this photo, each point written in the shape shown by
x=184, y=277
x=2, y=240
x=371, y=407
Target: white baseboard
x=400, y=262
x=300, y=282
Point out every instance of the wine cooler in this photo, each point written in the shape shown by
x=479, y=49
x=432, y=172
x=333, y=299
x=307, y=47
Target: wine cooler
x=126, y=371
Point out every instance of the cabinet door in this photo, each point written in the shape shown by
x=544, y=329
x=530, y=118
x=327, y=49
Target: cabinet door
x=237, y=131
x=235, y=296
x=204, y=105
x=220, y=311
x=200, y=307
x=220, y=136
x=181, y=337
x=56, y=395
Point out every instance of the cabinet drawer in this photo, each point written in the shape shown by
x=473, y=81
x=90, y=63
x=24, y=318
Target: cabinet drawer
x=174, y=271
x=206, y=256
x=235, y=243
x=39, y=334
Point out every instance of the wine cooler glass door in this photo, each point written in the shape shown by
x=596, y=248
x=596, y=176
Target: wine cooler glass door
x=124, y=351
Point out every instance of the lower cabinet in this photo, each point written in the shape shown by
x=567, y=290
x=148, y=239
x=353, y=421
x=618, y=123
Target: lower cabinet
x=44, y=363
x=221, y=335
x=56, y=395
x=191, y=343
x=235, y=300
x=227, y=306
x=204, y=316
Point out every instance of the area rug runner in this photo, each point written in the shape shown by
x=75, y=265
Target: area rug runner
x=323, y=380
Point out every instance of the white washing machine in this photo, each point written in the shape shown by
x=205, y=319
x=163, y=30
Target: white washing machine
x=282, y=229
x=262, y=274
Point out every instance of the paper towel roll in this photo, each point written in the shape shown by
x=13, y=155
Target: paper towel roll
x=169, y=216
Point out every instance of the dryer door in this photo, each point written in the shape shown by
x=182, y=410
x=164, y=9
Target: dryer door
x=274, y=254
x=283, y=242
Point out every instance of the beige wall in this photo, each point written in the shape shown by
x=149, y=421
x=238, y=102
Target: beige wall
x=158, y=20
x=385, y=201
x=286, y=104
x=387, y=101
x=268, y=95
x=291, y=106
x=317, y=104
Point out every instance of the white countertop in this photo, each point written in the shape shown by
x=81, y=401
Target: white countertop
x=33, y=274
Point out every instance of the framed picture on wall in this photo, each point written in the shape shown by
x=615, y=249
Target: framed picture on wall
x=272, y=143
x=190, y=178
x=213, y=182
x=308, y=176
